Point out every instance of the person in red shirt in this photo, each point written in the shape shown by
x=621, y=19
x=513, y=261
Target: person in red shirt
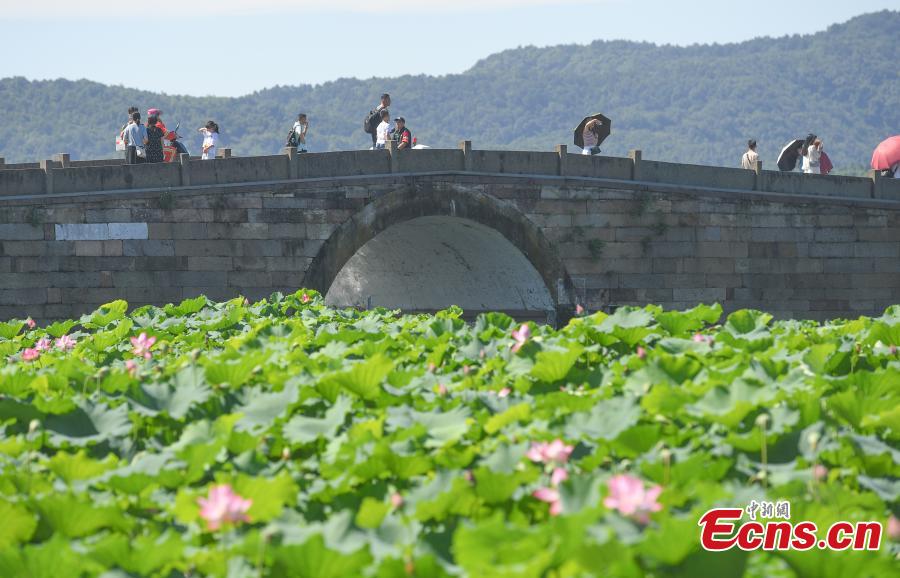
x=170, y=136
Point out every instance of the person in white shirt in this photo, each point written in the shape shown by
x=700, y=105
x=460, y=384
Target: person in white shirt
x=748, y=161
x=210, y=134
x=811, y=160
x=383, y=133
x=301, y=127
x=590, y=134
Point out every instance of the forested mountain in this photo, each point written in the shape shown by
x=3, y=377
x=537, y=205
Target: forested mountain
x=696, y=104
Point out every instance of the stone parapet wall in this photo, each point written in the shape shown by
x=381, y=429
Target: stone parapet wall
x=60, y=175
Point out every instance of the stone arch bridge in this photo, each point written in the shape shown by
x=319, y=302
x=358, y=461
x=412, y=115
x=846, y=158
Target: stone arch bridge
x=531, y=233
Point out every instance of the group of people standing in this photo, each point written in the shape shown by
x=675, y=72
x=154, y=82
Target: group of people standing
x=811, y=151
x=144, y=143
x=377, y=124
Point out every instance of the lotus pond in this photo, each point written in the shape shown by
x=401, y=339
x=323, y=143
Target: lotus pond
x=284, y=438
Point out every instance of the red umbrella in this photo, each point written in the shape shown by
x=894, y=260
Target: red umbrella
x=887, y=154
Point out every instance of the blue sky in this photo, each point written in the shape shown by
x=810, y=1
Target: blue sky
x=234, y=47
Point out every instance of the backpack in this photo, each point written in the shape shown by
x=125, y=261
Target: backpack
x=292, y=139
x=372, y=120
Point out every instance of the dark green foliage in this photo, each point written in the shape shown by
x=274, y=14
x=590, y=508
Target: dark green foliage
x=696, y=104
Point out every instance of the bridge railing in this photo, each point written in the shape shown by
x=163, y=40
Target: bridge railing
x=60, y=175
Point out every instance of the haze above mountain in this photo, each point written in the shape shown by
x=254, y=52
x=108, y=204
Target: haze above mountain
x=696, y=104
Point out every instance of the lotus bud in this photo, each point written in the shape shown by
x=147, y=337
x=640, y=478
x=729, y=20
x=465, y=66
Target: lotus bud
x=33, y=426
x=813, y=439
x=762, y=420
x=285, y=453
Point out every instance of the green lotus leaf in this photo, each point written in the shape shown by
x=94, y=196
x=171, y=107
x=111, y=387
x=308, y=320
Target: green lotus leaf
x=551, y=366
x=605, y=421
x=262, y=408
x=89, y=423
x=302, y=429
x=10, y=329
x=105, y=314
x=364, y=378
x=18, y=524
x=77, y=516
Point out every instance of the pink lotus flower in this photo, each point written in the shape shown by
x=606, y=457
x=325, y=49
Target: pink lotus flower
x=893, y=528
x=30, y=354
x=627, y=495
x=552, y=497
x=65, y=342
x=558, y=476
x=820, y=472
x=892, y=350
x=556, y=452
x=43, y=344
x=466, y=369
x=504, y=392
x=132, y=367
x=30, y=323
x=700, y=338
x=304, y=298
x=641, y=352
x=396, y=500
x=579, y=310
x=223, y=506
x=521, y=336
x=142, y=345
x=442, y=389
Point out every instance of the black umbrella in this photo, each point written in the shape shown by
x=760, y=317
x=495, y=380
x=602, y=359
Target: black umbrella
x=787, y=160
x=601, y=134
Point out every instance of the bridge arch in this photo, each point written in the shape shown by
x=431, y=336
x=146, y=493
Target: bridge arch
x=492, y=222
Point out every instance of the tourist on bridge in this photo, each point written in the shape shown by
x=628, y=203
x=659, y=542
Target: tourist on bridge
x=120, y=140
x=299, y=130
x=383, y=132
x=210, y=134
x=402, y=134
x=812, y=158
x=135, y=141
x=155, y=136
x=373, y=119
x=155, y=112
x=591, y=132
x=748, y=161
x=591, y=137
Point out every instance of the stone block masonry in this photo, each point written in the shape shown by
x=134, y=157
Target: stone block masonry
x=600, y=232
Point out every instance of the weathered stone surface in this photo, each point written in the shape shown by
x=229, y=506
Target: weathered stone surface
x=603, y=244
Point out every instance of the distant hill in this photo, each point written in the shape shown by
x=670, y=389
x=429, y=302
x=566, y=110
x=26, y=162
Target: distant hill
x=696, y=104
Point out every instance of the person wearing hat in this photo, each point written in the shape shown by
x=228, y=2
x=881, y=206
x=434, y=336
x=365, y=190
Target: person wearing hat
x=155, y=112
x=402, y=134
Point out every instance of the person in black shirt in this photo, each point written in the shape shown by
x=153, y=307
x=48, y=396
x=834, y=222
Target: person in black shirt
x=402, y=134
